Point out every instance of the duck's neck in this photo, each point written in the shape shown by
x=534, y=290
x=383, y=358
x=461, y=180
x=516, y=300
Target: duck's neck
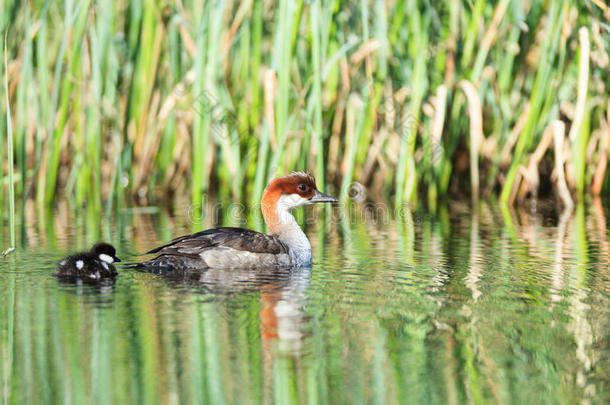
x=281, y=222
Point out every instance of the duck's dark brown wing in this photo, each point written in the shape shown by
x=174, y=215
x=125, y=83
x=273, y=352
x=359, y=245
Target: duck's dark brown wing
x=236, y=238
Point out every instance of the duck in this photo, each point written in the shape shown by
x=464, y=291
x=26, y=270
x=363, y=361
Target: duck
x=286, y=245
x=95, y=264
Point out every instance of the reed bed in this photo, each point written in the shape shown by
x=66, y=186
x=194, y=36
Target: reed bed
x=146, y=100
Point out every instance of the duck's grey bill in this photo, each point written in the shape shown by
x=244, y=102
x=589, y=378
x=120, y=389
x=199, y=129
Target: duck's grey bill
x=321, y=197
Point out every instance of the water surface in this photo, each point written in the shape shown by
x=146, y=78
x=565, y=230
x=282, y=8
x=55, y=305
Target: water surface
x=465, y=306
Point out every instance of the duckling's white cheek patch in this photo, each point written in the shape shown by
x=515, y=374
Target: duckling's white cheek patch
x=80, y=264
x=106, y=258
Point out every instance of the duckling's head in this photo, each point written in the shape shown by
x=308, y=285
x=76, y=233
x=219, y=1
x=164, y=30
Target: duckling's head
x=105, y=252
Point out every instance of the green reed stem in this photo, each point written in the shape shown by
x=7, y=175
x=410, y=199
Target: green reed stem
x=316, y=96
x=75, y=32
x=255, y=62
x=538, y=95
x=9, y=139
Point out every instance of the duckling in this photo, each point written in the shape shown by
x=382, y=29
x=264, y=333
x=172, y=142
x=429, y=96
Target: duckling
x=94, y=264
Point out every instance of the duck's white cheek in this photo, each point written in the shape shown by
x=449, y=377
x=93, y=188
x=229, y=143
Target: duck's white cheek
x=80, y=264
x=106, y=258
x=291, y=201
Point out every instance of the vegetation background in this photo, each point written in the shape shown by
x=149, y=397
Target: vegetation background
x=109, y=101
x=110, y=104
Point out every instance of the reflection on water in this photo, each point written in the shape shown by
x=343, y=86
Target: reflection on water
x=483, y=305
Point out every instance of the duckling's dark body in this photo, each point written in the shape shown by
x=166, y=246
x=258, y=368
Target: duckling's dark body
x=93, y=265
x=85, y=265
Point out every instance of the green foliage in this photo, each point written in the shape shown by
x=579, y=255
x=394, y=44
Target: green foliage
x=149, y=98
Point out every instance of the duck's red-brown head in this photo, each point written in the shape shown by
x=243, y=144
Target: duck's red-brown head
x=287, y=192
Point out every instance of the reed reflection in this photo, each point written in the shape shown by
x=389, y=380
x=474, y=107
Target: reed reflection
x=463, y=305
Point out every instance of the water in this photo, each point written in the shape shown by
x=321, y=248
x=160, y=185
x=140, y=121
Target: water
x=483, y=306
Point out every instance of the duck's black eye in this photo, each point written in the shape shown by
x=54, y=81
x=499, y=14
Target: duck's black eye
x=302, y=187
